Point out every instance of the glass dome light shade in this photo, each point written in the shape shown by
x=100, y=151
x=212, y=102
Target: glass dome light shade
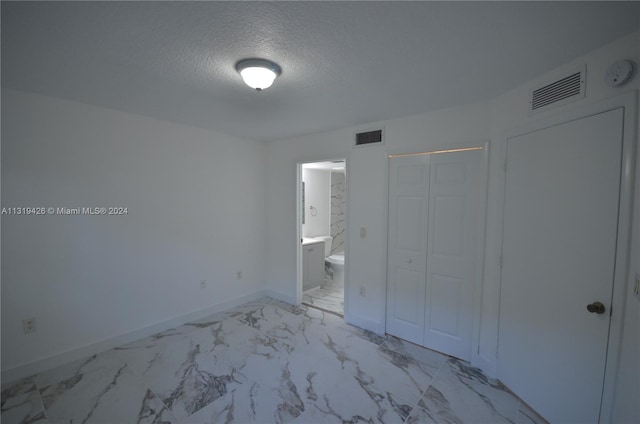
x=258, y=78
x=258, y=73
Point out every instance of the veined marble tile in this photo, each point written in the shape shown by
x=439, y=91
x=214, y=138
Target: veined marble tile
x=422, y=416
x=314, y=324
x=17, y=388
x=291, y=330
x=283, y=386
x=461, y=393
x=265, y=362
x=109, y=394
x=337, y=219
x=332, y=393
x=205, y=365
x=141, y=355
x=294, y=309
x=108, y=359
x=362, y=355
x=526, y=415
x=270, y=398
x=428, y=360
x=268, y=317
x=330, y=296
x=345, y=376
x=311, y=328
x=327, y=303
x=221, y=316
x=266, y=393
x=21, y=403
x=153, y=411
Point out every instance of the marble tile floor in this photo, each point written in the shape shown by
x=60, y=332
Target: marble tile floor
x=264, y=362
x=328, y=297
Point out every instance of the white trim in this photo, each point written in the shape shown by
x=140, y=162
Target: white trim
x=40, y=365
x=477, y=359
x=347, y=202
x=623, y=252
x=297, y=296
x=367, y=324
x=385, y=240
x=296, y=299
x=281, y=297
x=628, y=102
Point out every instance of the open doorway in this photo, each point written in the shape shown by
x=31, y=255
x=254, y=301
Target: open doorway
x=322, y=230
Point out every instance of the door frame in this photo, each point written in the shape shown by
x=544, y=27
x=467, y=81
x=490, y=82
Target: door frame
x=629, y=103
x=298, y=232
x=485, y=146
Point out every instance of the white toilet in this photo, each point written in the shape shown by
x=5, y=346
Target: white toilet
x=333, y=263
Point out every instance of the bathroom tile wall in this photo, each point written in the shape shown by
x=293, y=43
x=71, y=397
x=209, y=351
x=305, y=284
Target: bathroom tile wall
x=317, y=207
x=338, y=187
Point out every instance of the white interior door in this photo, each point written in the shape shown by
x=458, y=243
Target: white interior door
x=407, y=246
x=451, y=253
x=559, y=251
x=433, y=201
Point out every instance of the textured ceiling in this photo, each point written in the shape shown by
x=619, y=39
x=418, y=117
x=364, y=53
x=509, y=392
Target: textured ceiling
x=344, y=63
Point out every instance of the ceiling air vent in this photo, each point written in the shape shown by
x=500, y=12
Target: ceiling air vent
x=559, y=92
x=369, y=137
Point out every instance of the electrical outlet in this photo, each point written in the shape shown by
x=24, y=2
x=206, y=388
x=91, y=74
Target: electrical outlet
x=636, y=287
x=29, y=325
x=363, y=232
x=239, y=275
x=362, y=291
x=203, y=284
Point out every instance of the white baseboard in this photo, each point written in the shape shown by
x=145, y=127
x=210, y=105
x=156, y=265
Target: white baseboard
x=40, y=365
x=364, y=323
x=487, y=365
x=279, y=296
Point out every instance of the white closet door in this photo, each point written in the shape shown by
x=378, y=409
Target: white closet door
x=407, y=246
x=451, y=253
x=559, y=252
x=433, y=202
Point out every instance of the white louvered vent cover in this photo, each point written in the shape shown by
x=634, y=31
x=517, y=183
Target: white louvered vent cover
x=559, y=92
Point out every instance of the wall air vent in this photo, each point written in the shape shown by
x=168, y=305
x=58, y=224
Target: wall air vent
x=567, y=89
x=369, y=137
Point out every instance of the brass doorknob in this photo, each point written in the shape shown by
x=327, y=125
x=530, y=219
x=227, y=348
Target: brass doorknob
x=596, y=308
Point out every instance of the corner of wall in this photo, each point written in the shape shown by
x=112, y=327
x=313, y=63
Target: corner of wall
x=34, y=367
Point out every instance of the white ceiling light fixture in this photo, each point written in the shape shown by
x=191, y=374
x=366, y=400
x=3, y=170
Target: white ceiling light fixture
x=258, y=73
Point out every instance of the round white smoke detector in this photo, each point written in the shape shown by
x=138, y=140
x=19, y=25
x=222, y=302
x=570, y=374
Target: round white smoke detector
x=619, y=73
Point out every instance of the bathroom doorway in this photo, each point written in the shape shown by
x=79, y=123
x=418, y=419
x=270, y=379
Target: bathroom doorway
x=322, y=222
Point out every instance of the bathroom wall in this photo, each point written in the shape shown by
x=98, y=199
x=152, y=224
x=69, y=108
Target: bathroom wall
x=338, y=197
x=317, y=186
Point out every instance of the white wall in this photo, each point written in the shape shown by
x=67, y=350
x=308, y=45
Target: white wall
x=196, y=211
x=91, y=278
x=508, y=113
x=366, y=197
x=367, y=181
x=318, y=195
x=627, y=397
